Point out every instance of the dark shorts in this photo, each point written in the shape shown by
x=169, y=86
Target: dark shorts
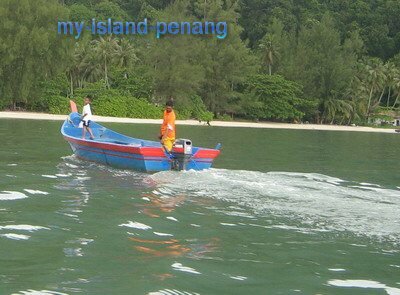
x=86, y=123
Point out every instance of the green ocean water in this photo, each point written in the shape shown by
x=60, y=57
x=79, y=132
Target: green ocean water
x=281, y=212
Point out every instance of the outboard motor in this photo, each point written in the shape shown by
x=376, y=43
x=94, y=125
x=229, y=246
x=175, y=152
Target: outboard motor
x=182, y=152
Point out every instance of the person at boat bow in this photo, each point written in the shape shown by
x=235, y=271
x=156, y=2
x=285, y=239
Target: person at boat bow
x=86, y=118
x=167, y=134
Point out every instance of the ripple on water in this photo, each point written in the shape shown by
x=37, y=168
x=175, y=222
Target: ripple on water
x=308, y=200
x=35, y=192
x=13, y=236
x=364, y=284
x=137, y=225
x=25, y=227
x=11, y=195
x=179, y=267
x=171, y=292
x=41, y=292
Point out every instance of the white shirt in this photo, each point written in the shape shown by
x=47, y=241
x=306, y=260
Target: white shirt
x=88, y=112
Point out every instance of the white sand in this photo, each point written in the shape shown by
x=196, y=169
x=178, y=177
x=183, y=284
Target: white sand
x=43, y=116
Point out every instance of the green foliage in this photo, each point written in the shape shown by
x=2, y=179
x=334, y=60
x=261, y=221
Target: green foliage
x=137, y=83
x=30, y=49
x=194, y=109
x=343, y=54
x=224, y=117
x=116, y=103
x=57, y=104
x=80, y=12
x=53, y=96
x=273, y=97
x=108, y=9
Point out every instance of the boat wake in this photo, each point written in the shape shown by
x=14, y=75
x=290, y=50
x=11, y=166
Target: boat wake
x=312, y=201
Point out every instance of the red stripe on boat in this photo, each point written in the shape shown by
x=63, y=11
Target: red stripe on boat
x=144, y=151
x=207, y=154
x=120, y=156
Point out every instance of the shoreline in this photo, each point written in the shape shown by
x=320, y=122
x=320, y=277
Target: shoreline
x=262, y=125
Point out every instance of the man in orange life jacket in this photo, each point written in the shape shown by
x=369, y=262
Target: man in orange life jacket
x=167, y=134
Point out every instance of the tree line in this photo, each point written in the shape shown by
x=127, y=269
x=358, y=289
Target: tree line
x=284, y=60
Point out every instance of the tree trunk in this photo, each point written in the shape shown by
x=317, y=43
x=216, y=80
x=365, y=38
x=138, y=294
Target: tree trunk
x=380, y=99
x=388, y=98
x=105, y=73
x=270, y=69
x=205, y=10
x=397, y=97
x=369, y=101
x=71, y=84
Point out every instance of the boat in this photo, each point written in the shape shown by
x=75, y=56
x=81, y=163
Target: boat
x=117, y=150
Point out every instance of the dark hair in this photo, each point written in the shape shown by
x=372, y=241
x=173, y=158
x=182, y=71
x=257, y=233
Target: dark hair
x=169, y=103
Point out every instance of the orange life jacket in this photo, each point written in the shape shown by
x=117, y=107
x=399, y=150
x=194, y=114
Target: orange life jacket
x=168, y=125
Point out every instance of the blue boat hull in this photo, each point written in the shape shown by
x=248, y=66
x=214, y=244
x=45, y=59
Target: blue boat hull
x=120, y=151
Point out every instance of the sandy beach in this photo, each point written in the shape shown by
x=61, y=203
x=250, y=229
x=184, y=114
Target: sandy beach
x=270, y=125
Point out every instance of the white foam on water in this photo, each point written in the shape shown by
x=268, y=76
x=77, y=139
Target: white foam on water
x=195, y=225
x=172, y=218
x=137, y=225
x=11, y=195
x=364, y=284
x=180, y=267
x=35, y=192
x=41, y=292
x=73, y=252
x=81, y=241
x=15, y=236
x=162, y=234
x=171, y=292
x=337, y=269
x=308, y=200
x=358, y=245
x=71, y=165
x=49, y=176
x=11, y=176
x=239, y=278
x=83, y=178
x=25, y=227
x=369, y=184
x=12, y=165
x=146, y=199
x=63, y=175
x=228, y=224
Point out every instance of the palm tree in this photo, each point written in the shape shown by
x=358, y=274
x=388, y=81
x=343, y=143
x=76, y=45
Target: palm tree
x=396, y=87
x=375, y=79
x=125, y=55
x=106, y=49
x=391, y=73
x=84, y=67
x=270, y=51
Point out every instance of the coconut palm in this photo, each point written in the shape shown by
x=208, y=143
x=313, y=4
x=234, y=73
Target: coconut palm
x=396, y=87
x=391, y=73
x=106, y=49
x=375, y=78
x=125, y=55
x=270, y=51
x=84, y=67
